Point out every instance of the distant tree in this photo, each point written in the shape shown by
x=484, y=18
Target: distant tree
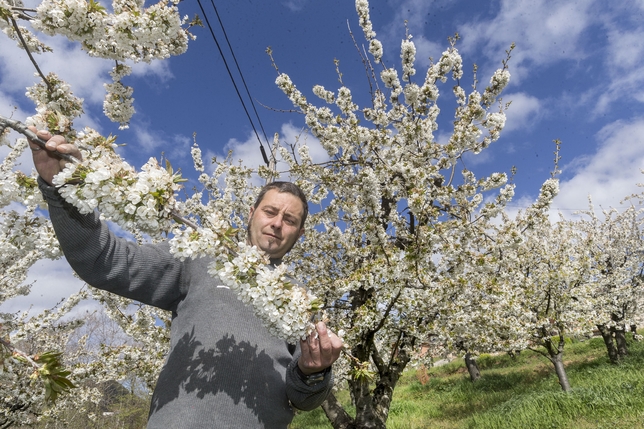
x=616, y=250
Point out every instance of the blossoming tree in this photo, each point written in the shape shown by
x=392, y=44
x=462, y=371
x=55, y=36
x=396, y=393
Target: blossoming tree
x=384, y=254
x=553, y=274
x=616, y=248
x=396, y=215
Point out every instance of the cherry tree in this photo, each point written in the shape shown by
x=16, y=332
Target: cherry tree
x=384, y=253
x=397, y=213
x=557, y=291
x=617, y=274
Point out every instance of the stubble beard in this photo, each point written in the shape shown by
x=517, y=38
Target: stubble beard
x=249, y=238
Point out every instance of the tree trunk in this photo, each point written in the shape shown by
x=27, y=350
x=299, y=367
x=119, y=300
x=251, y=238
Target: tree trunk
x=335, y=413
x=372, y=403
x=561, y=372
x=620, y=339
x=366, y=413
x=472, y=367
x=634, y=332
x=607, y=335
x=556, y=357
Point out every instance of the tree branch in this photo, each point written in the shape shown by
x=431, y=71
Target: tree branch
x=23, y=129
x=33, y=61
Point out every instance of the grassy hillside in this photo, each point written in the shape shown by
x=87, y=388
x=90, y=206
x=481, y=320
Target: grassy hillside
x=521, y=392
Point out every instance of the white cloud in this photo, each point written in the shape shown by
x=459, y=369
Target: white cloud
x=293, y=134
x=67, y=61
x=624, y=67
x=9, y=106
x=470, y=159
x=158, y=69
x=249, y=154
x=545, y=31
x=52, y=281
x=610, y=174
x=175, y=147
x=295, y=5
x=524, y=112
x=426, y=49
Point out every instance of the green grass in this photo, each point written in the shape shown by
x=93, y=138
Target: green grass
x=521, y=392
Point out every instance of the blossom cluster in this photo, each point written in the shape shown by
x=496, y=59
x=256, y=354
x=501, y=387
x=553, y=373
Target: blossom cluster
x=375, y=46
x=284, y=307
x=118, y=104
x=16, y=186
x=130, y=33
x=56, y=105
x=6, y=26
x=210, y=239
x=142, y=201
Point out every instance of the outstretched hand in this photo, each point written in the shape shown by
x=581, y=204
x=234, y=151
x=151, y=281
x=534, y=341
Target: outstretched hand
x=319, y=350
x=47, y=161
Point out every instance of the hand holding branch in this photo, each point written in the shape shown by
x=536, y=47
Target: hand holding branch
x=319, y=350
x=51, y=157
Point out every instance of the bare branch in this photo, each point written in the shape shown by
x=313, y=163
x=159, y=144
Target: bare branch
x=33, y=61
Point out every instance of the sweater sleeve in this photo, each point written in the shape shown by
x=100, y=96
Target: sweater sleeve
x=146, y=273
x=302, y=396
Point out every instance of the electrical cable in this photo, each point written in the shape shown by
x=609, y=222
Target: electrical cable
x=212, y=33
x=221, y=24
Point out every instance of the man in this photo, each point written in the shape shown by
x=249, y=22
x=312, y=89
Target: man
x=223, y=369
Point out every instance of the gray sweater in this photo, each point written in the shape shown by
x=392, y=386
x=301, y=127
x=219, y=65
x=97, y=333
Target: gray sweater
x=223, y=370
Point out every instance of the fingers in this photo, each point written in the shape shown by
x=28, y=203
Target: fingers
x=54, y=143
x=319, y=350
x=324, y=340
x=52, y=158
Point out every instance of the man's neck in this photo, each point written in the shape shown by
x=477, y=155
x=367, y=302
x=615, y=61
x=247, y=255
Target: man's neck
x=275, y=261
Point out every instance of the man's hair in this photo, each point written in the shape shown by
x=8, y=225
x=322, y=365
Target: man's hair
x=290, y=188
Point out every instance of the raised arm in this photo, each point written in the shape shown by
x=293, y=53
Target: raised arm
x=146, y=273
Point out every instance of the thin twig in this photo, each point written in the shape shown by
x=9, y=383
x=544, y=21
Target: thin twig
x=19, y=352
x=24, y=44
x=23, y=9
x=180, y=219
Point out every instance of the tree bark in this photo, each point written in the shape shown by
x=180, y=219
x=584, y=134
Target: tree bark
x=366, y=416
x=607, y=335
x=620, y=339
x=634, y=332
x=335, y=413
x=556, y=357
x=561, y=372
x=472, y=367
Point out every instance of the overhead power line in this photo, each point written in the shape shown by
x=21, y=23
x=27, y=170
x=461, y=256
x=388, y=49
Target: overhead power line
x=241, y=99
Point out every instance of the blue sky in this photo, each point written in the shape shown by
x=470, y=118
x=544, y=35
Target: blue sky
x=577, y=75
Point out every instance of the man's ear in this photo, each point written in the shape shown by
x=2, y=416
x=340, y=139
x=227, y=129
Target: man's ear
x=250, y=213
x=301, y=232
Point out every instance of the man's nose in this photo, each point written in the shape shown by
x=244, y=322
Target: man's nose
x=277, y=222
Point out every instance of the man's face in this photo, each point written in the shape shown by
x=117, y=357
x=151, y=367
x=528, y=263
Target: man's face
x=274, y=226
